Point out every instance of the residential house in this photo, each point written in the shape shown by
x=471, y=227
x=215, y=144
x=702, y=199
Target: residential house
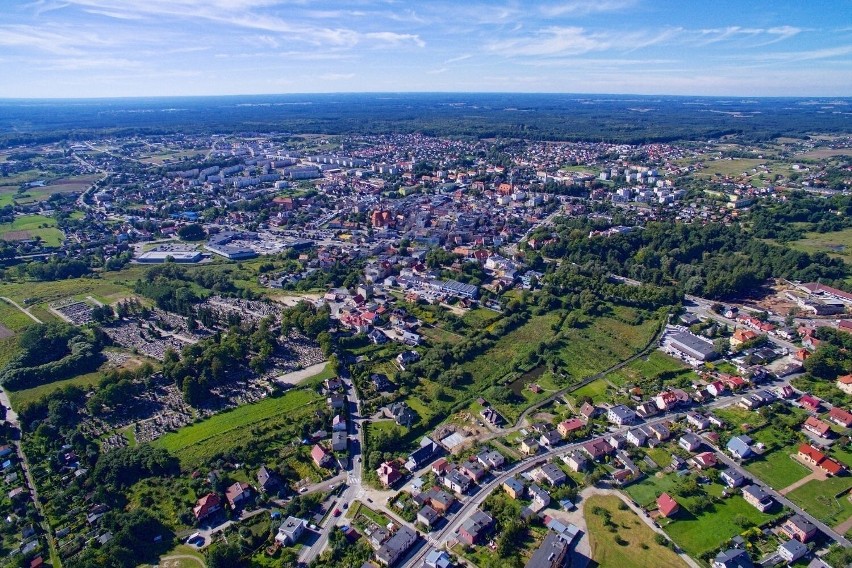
x=740, y=446
x=844, y=383
x=339, y=442
x=540, y=498
x=514, y=487
x=716, y=388
x=741, y=336
x=697, y=421
x=338, y=423
x=589, y=411
x=810, y=403
x=637, y=436
x=388, y=473
x=817, y=427
x=659, y=431
x=620, y=415
x=689, y=442
x=791, y=551
x=758, y=498
x=475, y=527
x=840, y=417
x=206, y=506
x=396, y=546
x=716, y=421
x=407, y=358
x=799, y=528
x=597, y=449
x=733, y=558
x=427, y=516
x=665, y=400
x=321, y=457
x=550, y=439
x=237, y=494
x=812, y=456
x=617, y=440
x=428, y=451
x=336, y=401
x=575, y=461
x=456, y=481
x=267, y=480
x=436, y=498
x=490, y=458
x=667, y=506
x=551, y=474
x=647, y=409
x=473, y=469
x=551, y=553
x=732, y=477
x=567, y=427
x=402, y=414
x=529, y=446
x=441, y=466
x=437, y=559
x=705, y=460
x=290, y=531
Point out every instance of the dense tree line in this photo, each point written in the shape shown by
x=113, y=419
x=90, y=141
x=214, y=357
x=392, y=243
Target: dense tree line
x=713, y=260
x=49, y=352
x=133, y=541
x=775, y=219
x=125, y=466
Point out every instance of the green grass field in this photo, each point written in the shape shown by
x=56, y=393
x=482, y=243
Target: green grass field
x=30, y=226
x=826, y=500
x=713, y=527
x=837, y=244
x=596, y=390
x=645, y=492
x=195, y=443
x=777, y=468
x=655, y=363
x=639, y=549
x=733, y=167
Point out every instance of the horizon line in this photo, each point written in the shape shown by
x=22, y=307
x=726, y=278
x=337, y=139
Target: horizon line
x=410, y=93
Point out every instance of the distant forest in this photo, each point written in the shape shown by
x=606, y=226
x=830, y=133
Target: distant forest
x=609, y=118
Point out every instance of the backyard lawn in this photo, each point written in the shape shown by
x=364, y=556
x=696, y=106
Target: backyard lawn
x=635, y=545
x=826, y=500
x=714, y=526
x=777, y=468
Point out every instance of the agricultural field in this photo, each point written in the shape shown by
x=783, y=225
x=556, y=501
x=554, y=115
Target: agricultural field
x=733, y=167
x=194, y=444
x=826, y=500
x=73, y=184
x=634, y=546
x=31, y=226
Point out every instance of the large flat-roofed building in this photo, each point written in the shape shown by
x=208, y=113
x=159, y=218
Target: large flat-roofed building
x=159, y=256
x=221, y=245
x=692, y=346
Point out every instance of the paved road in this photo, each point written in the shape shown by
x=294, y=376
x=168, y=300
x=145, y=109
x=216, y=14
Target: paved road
x=780, y=498
x=12, y=418
x=352, y=476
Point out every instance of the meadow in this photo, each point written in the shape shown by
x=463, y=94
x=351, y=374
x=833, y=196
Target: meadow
x=194, y=444
x=635, y=546
x=31, y=226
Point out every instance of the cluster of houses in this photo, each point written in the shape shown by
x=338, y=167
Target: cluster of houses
x=237, y=495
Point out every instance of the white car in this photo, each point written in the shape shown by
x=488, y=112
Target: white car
x=303, y=490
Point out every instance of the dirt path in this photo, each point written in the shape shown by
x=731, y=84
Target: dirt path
x=172, y=561
x=589, y=491
x=17, y=305
x=297, y=377
x=845, y=526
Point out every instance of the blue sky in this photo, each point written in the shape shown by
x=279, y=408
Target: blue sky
x=105, y=48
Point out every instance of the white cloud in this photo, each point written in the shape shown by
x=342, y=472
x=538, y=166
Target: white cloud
x=583, y=7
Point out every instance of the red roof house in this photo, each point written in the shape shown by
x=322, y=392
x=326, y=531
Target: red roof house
x=667, y=505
